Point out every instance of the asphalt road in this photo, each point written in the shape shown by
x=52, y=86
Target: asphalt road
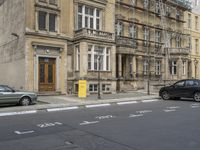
x=161, y=125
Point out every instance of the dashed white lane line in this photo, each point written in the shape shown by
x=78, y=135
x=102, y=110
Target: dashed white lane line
x=18, y=113
x=61, y=109
x=144, y=111
x=125, y=103
x=169, y=110
x=173, y=107
x=99, y=105
x=87, y=122
x=134, y=116
x=147, y=101
x=21, y=133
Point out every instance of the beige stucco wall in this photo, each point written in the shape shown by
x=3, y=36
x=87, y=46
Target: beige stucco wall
x=12, y=57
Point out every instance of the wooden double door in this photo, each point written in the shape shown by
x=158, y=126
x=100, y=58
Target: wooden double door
x=47, y=74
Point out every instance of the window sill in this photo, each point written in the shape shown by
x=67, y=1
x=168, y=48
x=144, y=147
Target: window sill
x=100, y=71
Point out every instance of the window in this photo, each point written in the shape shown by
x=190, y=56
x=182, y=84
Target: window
x=178, y=41
x=146, y=36
x=42, y=20
x=133, y=31
x=189, y=21
x=133, y=2
x=52, y=22
x=196, y=2
x=47, y=21
x=146, y=4
x=169, y=36
x=158, y=68
x=145, y=67
x=106, y=87
x=89, y=17
x=77, y=49
x=99, y=53
x=173, y=68
x=178, y=14
x=184, y=67
x=197, y=46
x=2, y=89
x=167, y=11
x=51, y=2
x=157, y=38
x=119, y=29
x=93, y=87
x=180, y=84
x=196, y=23
x=157, y=7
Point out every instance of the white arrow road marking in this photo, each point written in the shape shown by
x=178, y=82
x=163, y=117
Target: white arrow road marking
x=169, y=110
x=18, y=113
x=61, y=109
x=147, y=101
x=104, y=117
x=21, y=133
x=87, y=122
x=99, y=105
x=133, y=115
x=143, y=111
x=45, y=125
x=125, y=103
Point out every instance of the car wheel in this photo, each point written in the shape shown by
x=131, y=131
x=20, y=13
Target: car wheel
x=25, y=101
x=165, y=95
x=197, y=96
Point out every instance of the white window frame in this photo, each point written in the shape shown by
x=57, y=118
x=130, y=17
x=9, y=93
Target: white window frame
x=196, y=23
x=197, y=46
x=119, y=27
x=145, y=67
x=133, y=31
x=106, y=87
x=146, y=35
x=77, y=49
x=105, y=57
x=178, y=41
x=92, y=86
x=174, y=67
x=90, y=17
x=184, y=67
x=158, y=67
x=189, y=20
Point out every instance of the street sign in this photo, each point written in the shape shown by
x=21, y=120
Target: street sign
x=82, y=89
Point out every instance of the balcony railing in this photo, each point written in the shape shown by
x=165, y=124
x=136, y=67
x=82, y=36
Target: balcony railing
x=94, y=34
x=125, y=41
x=185, y=51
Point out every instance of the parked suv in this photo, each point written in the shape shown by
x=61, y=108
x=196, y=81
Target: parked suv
x=189, y=88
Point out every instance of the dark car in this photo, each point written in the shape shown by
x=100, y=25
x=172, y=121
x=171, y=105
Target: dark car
x=9, y=95
x=189, y=88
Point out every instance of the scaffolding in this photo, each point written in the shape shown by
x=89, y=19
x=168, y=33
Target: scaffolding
x=154, y=10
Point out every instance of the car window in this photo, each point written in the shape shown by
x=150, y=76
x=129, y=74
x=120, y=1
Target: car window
x=7, y=89
x=2, y=89
x=189, y=83
x=180, y=83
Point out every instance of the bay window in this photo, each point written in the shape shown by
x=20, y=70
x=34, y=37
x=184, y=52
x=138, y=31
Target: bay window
x=89, y=17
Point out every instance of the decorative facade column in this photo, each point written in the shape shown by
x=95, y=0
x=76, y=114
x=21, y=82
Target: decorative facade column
x=134, y=66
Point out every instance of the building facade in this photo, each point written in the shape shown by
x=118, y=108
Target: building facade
x=192, y=26
x=48, y=45
x=152, y=47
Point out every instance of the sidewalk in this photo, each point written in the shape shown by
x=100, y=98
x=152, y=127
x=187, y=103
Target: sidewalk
x=50, y=102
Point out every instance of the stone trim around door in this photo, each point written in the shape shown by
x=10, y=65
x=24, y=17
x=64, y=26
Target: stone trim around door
x=36, y=71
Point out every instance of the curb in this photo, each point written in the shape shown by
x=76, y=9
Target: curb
x=64, y=107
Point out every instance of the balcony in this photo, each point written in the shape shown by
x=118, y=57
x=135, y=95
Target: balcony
x=126, y=42
x=94, y=35
x=184, y=51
